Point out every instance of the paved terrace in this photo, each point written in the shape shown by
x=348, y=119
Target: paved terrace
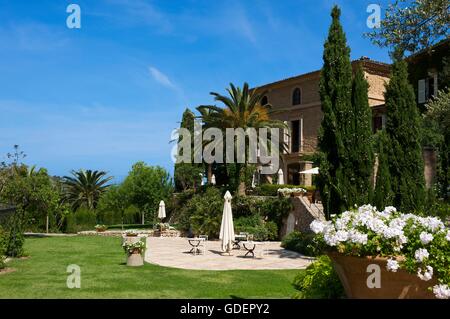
x=174, y=252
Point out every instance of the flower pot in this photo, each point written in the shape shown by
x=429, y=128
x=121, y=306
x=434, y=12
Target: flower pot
x=353, y=273
x=135, y=259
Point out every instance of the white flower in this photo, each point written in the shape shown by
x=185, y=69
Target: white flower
x=427, y=275
x=392, y=265
x=441, y=291
x=357, y=237
x=448, y=235
x=317, y=227
x=342, y=235
x=421, y=254
x=426, y=238
x=433, y=224
x=390, y=209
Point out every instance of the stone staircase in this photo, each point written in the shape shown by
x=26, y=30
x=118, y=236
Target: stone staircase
x=315, y=209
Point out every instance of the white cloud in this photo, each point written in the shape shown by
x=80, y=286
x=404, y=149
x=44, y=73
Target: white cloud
x=161, y=78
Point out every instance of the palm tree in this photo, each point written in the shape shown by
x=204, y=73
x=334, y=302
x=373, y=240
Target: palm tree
x=84, y=188
x=242, y=109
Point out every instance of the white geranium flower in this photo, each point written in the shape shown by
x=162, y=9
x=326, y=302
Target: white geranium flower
x=448, y=235
x=421, y=254
x=392, y=265
x=357, y=237
x=426, y=238
x=317, y=227
x=441, y=291
x=433, y=224
x=390, y=209
x=342, y=235
x=427, y=275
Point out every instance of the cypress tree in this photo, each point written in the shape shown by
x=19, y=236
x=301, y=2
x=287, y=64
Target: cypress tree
x=402, y=128
x=360, y=163
x=335, y=93
x=383, y=191
x=187, y=175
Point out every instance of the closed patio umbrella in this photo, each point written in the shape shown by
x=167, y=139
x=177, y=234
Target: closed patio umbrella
x=227, y=228
x=162, y=210
x=280, y=177
x=213, y=179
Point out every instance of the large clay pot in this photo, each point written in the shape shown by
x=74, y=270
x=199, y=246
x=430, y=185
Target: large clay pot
x=135, y=260
x=353, y=273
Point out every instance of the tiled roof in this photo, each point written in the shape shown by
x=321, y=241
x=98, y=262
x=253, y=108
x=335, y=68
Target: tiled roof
x=365, y=60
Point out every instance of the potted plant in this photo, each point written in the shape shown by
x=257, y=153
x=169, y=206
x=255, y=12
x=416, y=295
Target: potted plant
x=131, y=233
x=135, y=252
x=291, y=191
x=410, y=253
x=100, y=228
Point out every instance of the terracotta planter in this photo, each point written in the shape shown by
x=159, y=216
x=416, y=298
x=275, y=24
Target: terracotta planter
x=352, y=272
x=135, y=259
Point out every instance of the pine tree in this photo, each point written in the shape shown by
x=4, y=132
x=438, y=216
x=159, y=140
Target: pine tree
x=383, y=191
x=335, y=94
x=402, y=128
x=359, y=147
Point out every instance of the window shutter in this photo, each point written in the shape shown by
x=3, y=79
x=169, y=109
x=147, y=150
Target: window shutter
x=300, y=127
x=435, y=78
x=421, y=91
x=286, y=138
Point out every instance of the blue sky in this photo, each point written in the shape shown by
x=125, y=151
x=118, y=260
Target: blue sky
x=109, y=94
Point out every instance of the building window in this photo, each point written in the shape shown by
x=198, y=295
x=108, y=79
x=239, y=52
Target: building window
x=297, y=97
x=377, y=123
x=293, y=177
x=427, y=88
x=264, y=101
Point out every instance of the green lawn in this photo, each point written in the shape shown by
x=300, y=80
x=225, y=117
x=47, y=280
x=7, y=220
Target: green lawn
x=104, y=275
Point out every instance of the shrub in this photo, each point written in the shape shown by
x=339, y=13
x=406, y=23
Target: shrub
x=14, y=239
x=301, y=243
x=204, y=213
x=318, y=281
x=82, y=219
x=275, y=209
x=256, y=226
x=2, y=248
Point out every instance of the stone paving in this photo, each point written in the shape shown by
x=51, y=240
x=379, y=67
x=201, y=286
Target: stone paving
x=174, y=252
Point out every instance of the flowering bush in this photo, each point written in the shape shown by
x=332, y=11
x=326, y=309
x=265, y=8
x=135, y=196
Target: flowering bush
x=288, y=191
x=420, y=245
x=136, y=247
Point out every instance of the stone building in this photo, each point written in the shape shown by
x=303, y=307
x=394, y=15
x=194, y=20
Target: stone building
x=296, y=101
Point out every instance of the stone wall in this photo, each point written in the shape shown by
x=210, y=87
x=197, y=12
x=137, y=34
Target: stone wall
x=301, y=216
